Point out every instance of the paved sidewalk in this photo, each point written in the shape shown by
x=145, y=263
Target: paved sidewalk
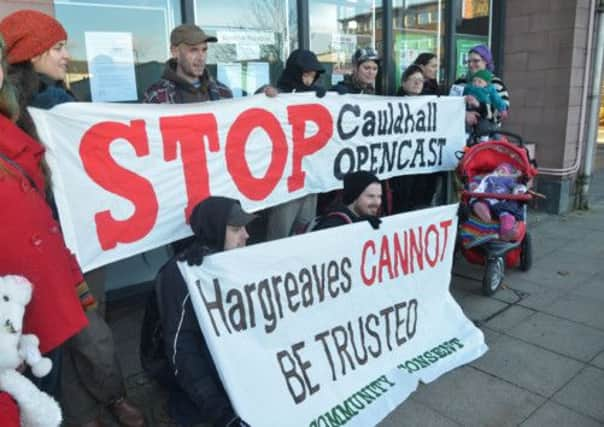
x=545, y=331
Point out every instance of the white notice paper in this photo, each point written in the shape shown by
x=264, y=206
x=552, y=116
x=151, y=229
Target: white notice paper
x=256, y=76
x=230, y=75
x=111, y=66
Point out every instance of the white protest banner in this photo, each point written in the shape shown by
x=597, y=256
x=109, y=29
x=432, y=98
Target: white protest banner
x=334, y=327
x=125, y=177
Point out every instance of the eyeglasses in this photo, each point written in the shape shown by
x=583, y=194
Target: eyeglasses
x=415, y=79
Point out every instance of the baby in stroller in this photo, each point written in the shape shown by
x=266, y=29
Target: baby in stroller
x=503, y=180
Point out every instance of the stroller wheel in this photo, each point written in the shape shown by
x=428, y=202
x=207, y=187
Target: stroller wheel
x=493, y=275
x=526, y=253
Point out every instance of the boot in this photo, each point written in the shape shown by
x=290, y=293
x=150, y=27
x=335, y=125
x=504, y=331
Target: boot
x=126, y=413
x=93, y=423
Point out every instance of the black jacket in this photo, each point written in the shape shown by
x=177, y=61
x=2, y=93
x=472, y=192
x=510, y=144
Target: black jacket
x=197, y=394
x=351, y=85
x=340, y=216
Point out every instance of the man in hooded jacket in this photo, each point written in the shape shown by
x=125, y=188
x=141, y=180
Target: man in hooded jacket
x=301, y=74
x=196, y=392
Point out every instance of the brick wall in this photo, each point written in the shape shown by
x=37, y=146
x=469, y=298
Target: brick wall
x=544, y=62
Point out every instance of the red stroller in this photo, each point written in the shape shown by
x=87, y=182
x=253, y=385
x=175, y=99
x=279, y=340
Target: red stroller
x=480, y=241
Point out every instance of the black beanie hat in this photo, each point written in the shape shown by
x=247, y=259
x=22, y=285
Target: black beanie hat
x=355, y=183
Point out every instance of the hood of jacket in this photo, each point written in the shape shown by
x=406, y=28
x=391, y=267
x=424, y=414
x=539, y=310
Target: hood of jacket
x=209, y=220
x=299, y=61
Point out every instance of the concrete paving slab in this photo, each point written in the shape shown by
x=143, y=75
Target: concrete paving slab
x=588, y=220
x=464, y=268
x=528, y=366
x=593, y=288
x=490, y=335
x=585, y=393
x=466, y=283
x=598, y=361
x=542, y=238
x=560, y=335
x=474, y=398
x=591, y=244
x=564, y=274
x=479, y=308
x=412, y=413
x=553, y=415
x=579, y=309
x=535, y=296
x=511, y=317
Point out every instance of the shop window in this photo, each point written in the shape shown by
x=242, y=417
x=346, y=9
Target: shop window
x=423, y=31
x=473, y=26
x=118, y=48
x=338, y=27
x=255, y=37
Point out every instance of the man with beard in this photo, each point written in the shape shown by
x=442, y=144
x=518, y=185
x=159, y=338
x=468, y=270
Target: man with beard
x=361, y=201
x=186, y=78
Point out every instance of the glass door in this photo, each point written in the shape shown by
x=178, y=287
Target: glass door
x=338, y=27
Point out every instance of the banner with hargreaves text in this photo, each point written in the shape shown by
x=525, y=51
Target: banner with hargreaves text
x=125, y=177
x=334, y=327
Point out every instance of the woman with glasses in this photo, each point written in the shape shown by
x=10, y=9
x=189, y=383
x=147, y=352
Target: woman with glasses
x=481, y=58
x=428, y=62
x=412, y=82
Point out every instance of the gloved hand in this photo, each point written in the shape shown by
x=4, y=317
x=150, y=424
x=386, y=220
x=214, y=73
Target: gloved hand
x=320, y=91
x=374, y=221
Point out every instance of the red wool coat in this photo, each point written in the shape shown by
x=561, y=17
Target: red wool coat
x=9, y=412
x=32, y=243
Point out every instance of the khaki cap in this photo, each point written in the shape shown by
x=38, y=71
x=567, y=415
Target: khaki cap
x=189, y=34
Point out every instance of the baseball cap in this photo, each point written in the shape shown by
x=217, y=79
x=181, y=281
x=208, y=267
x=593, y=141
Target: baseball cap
x=189, y=34
x=365, y=54
x=238, y=217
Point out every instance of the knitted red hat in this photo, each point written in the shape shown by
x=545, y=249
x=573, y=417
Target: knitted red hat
x=29, y=33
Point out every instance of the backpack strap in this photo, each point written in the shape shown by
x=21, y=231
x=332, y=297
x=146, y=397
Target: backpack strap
x=341, y=215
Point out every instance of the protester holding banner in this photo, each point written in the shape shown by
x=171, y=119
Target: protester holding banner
x=186, y=77
x=411, y=192
x=196, y=392
x=91, y=376
x=35, y=247
x=365, y=62
x=361, y=201
x=301, y=74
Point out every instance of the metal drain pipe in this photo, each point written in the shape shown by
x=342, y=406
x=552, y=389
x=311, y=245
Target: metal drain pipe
x=594, y=110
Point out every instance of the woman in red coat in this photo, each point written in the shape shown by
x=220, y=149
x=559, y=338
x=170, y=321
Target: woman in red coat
x=33, y=243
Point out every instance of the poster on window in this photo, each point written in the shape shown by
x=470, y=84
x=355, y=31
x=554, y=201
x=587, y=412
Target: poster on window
x=110, y=58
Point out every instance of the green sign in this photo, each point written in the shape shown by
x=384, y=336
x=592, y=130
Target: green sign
x=408, y=45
